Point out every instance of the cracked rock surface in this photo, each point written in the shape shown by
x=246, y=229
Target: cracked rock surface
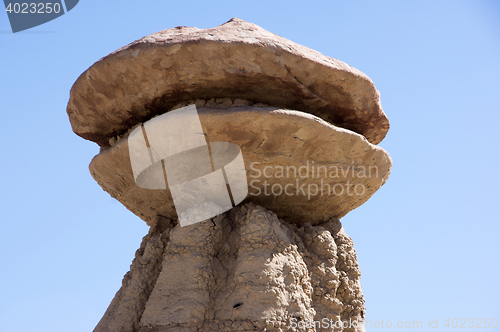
x=244, y=270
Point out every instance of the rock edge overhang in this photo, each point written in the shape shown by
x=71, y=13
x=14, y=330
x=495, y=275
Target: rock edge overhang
x=237, y=59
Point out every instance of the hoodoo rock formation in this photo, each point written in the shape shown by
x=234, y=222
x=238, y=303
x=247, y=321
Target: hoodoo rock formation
x=307, y=126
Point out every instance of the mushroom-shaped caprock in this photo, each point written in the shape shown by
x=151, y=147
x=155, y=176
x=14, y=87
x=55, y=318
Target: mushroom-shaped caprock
x=306, y=123
x=287, y=132
x=235, y=60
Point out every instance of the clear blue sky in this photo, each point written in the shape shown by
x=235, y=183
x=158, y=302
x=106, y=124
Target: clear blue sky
x=427, y=242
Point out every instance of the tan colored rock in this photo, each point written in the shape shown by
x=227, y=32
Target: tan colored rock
x=245, y=270
x=297, y=165
x=306, y=125
x=235, y=60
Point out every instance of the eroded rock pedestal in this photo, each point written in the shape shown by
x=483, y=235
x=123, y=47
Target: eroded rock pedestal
x=280, y=261
x=244, y=270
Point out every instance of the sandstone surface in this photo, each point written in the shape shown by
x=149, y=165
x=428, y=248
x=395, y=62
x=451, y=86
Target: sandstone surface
x=297, y=165
x=235, y=60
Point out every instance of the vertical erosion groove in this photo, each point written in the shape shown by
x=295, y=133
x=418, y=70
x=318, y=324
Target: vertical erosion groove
x=244, y=270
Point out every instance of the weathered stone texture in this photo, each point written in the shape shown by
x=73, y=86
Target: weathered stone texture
x=237, y=59
x=271, y=140
x=244, y=270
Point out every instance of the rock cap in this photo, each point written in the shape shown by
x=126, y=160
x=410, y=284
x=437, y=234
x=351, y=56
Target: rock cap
x=297, y=165
x=237, y=59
